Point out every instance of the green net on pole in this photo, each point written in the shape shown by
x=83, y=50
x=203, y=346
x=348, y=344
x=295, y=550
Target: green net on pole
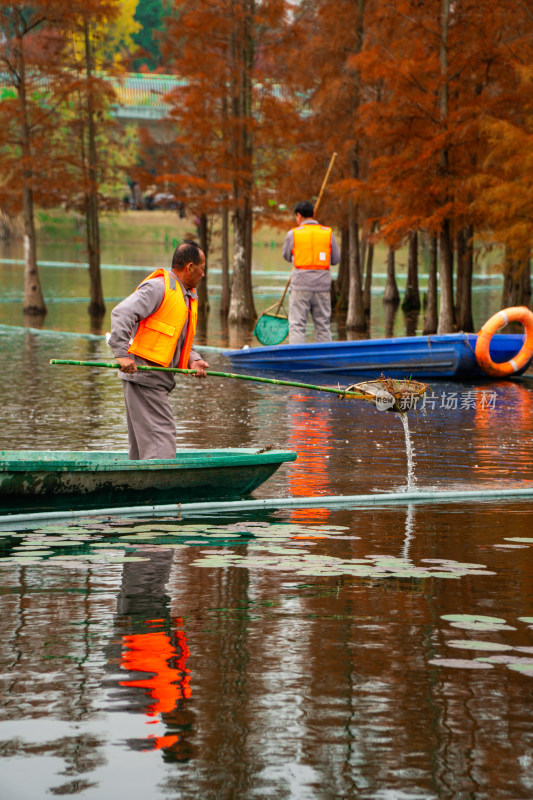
x=271, y=329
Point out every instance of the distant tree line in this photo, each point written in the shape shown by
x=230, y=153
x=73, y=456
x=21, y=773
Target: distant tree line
x=427, y=104
x=58, y=145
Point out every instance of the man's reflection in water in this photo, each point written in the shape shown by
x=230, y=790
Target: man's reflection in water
x=155, y=648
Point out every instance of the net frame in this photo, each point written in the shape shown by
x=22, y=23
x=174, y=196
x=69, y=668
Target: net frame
x=394, y=394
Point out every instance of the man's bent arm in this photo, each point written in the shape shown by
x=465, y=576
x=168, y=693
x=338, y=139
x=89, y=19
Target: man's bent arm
x=126, y=316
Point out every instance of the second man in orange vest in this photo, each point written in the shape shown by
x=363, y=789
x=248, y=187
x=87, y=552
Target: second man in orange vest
x=155, y=326
x=312, y=249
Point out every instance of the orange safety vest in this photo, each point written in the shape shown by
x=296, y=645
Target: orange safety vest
x=312, y=247
x=158, y=334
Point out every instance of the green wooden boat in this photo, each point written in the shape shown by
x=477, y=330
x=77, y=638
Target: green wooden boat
x=50, y=480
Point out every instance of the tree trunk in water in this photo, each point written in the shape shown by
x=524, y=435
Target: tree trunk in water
x=224, y=300
x=241, y=307
x=367, y=291
x=9, y=228
x=465, y=268
x=34, y=304
x=248, y=251
x=390, y=309
x=516, y=281
x=203, y=302
x=446, y=315
x=446, y=312
x=391, y=293
x=96, y=304
x=411, y=299
x=355, y=315
x=431, y=319
x=343, y=280
x=526, y=283
x=355, y=318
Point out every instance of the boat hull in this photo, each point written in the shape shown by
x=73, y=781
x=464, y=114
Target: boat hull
x=61, y=480
x=445, y=356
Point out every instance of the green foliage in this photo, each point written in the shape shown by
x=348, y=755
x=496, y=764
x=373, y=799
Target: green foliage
x=150, y=14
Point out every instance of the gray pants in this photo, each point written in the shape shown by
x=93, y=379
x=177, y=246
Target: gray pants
x=151, y=426
x=300, y=304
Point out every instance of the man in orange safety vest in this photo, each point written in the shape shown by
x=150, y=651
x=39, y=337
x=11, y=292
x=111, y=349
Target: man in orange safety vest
x=155, y=326
x=312, y=249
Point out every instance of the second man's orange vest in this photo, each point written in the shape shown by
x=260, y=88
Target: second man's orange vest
x=158, y=334
x=312, y=247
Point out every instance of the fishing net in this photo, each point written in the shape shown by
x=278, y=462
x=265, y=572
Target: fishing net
x=271, y=329
x=390, y=393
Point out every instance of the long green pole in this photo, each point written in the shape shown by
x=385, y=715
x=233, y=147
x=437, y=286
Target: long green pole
x=113, y=365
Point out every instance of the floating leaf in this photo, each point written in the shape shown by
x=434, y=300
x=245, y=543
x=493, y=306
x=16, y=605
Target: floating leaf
x=529, y=620
x=459, y=663
x=460, y=572
x=450, y=563
x=527, y=669
x=506, y=659
x=472, y=618
x=527, y=539
x=64, y=543
x=510, y=546
x=481, y=626
x=472, y=644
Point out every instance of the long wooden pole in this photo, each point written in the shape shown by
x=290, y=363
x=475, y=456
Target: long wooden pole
x=211, y=373
x=324, y=182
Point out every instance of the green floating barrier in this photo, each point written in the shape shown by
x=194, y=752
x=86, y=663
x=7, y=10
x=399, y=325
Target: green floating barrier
x=327, y=501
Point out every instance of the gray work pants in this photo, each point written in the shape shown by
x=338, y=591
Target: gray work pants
x=300, y=304
x=151, y=426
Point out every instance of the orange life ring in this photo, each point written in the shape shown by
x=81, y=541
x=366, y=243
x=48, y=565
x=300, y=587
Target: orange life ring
x=515, y=314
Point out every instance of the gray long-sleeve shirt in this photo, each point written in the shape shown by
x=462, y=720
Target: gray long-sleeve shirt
x=125, y=319
x=310, y=280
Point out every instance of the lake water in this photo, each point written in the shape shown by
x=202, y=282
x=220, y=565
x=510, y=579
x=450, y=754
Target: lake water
x=380, y=653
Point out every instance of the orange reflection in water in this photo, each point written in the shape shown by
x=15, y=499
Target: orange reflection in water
x=494, y=412
x=169, y=680
x=310, y=437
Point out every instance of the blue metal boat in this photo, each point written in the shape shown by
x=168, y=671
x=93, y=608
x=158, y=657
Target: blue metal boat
x=448, y=356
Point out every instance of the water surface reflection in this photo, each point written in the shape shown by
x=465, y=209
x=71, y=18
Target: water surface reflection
x=257, y=682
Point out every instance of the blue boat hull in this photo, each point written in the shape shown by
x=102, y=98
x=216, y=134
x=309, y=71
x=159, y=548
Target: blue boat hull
x=446, y=356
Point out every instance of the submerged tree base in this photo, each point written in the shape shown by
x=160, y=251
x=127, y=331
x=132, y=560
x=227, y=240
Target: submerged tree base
x=35, y=311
